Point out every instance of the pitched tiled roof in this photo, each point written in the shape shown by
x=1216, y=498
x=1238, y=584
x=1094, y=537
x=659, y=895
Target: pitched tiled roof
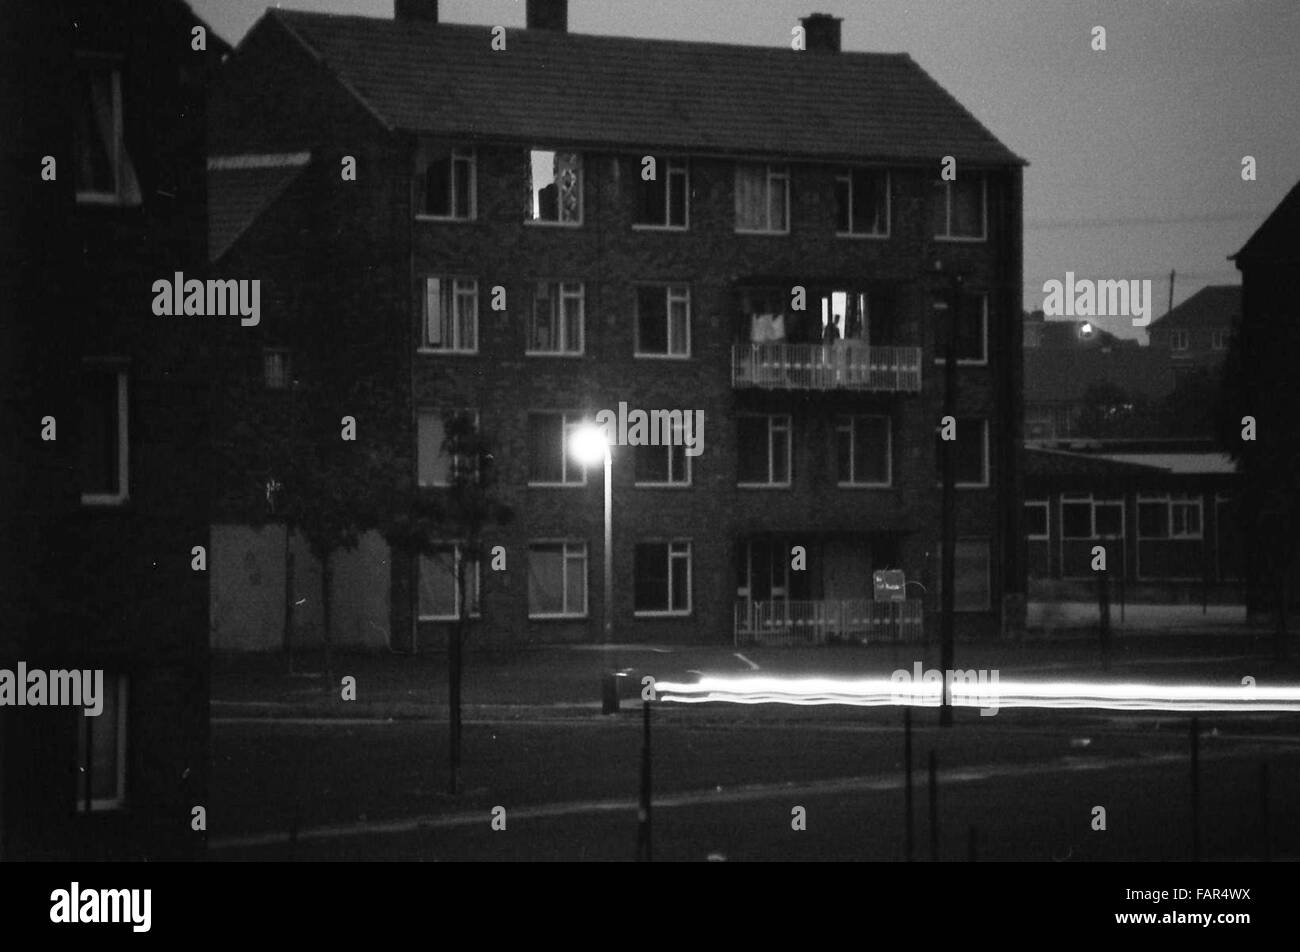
x=1279, y=236
x=1212, y=306
x=553, y=87
x=240, y=188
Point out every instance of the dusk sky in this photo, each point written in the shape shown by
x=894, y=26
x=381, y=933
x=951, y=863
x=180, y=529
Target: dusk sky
x=1135, y=153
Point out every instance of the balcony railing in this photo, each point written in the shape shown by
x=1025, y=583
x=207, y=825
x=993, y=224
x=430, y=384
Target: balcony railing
x=848, y=365
x=863, y=620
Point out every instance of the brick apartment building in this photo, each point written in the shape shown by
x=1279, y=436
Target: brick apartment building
x=520, y=170
x=104, y=493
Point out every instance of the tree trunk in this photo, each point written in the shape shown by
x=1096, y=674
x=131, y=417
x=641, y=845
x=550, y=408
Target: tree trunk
x=326, y=566
x=288, y=594
x=453, y=695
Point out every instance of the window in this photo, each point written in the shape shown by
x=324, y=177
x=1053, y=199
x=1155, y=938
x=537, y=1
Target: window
x=104, y=436
x=440, y=596
x=557, y=318
x=447, y=181
x=663, y=321
x=972, y=452
x=664, y=201
x=103, y=169
x=863, y=451
x=434, y=465
x=1169, y=517
x=276, y=369
x=763, y=199
x=1178, y=340
x=972, y=330
x=101, y=751
x=1083, y=517
x=663, y=578
x=763, y=448
x=1219, y=340
x=549, y=460
x=557, y=580
x=960, y=209
x=555, y=187
x=862, y=202
x=1036, y=521
x=662, y=465
x=450, y=315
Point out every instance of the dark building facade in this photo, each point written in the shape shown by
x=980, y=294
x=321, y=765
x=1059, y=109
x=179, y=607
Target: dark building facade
x=104, y=496
x=504, y=250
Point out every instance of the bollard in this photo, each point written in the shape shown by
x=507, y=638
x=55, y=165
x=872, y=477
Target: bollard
x=609, y=693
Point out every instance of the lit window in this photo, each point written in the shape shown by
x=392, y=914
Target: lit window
x=663, y=578
x=555, y=187
x=446, y=180
x=763, y=199
x=440, y=590
x=450, y=315
x=104, y=435
x=557, y=580
x=1219, y=340
x=960, y=208
x=557, y=319
x=862, y=202
x=101, y=751
x=665, y=200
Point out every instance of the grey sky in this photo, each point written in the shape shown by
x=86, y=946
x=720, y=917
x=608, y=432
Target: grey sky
x=1135, y=153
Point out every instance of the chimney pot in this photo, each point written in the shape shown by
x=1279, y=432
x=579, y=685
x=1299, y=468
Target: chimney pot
x=548, y=15
x=822, y=32
x=423, y=11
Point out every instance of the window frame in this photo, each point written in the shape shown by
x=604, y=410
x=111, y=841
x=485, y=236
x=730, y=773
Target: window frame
x=984, y=212
x=565, y=558
x=569, y=421
x=772, y=426
x=682, y=290
x=1046, y=505
x=675, y=164
x=846, y=422
x=97, y=62
x=670, y=483
x=453, y=465
x=983, y=361
x=1172, y=501
x=582, y=189
x=84, y=741
x=669, y=545
x=476, y=595
x=769, y=175
x=123, y=434
x=448, y=293
x=1179, y=340
x=457, y=156
x=845, y=175
x=1093, y=502
x=1219, y=339
x=560, y=297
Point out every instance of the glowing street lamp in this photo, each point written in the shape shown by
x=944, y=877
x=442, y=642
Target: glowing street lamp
x=589, y=446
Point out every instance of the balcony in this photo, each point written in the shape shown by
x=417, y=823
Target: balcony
x=793, y=623
x=848, y=365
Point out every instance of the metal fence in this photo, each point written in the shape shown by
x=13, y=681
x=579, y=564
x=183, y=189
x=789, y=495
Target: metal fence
x=850, y=365
x=862, y=620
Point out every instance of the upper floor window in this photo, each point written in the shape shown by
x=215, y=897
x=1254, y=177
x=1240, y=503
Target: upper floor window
x=277, y=368
x=435, y=464
x=442, y=595
x=101, y=751
x=663, y=465
x=104, y=172
x=1178, y=340
x=863, y=450
x=1036, y=521
x=447, y=182
x=556, y=322
x=960, y=209
x=555, y=187
x=664, y=199
x=862, y=202
x=549, y=461
x=663, y=321
x=762, y=199
x=450, y=315
x=763, y=450
x=972, y=343
x=1219, y=340
x=104, y=435
x=557, y=580
x=972, y=449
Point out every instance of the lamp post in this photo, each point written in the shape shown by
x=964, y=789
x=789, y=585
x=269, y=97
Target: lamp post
x=949, y=460
x=589, y=446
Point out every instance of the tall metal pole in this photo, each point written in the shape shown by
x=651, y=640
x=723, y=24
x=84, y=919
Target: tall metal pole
x=949, y=548
x=609, y=548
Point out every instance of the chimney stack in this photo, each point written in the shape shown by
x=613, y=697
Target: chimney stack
x=822, y=32
x=419, y=11
x=548, y=15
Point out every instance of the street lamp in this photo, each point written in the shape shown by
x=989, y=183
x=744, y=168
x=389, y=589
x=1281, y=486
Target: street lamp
x=589, y=446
